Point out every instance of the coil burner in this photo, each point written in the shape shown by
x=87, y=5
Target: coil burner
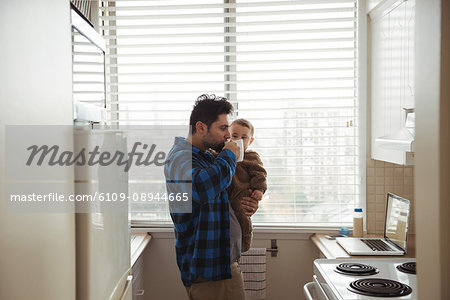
x=379, y=287
x=356, y=269
x=408, y=267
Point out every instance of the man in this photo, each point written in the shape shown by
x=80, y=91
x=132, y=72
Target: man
x=208, y=239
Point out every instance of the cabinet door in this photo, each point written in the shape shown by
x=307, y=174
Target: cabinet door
x=138, y=279
x=392, y=75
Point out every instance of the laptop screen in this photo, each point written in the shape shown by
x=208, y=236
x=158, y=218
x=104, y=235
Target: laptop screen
x=397, y=219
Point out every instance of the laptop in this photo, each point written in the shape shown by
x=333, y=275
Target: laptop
x=395, y=232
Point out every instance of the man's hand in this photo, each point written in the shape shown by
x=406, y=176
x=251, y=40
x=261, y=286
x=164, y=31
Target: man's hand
x=249, y=205
x=213, y=152
x=233, y=147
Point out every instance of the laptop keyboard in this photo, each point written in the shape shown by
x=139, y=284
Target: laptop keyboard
x=377, y=245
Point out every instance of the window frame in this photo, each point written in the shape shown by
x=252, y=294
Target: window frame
x=361, y=89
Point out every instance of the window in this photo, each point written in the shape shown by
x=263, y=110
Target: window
x=290, y=67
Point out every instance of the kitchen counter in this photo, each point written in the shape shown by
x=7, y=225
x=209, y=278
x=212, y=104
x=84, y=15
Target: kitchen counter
x=139, y=242
x=330, y=249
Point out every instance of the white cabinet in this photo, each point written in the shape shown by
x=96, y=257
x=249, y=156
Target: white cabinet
x=138, y=279
x=392, y=80
x=139, y=242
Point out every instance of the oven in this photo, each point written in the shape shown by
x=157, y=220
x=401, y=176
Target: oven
x=363, y=279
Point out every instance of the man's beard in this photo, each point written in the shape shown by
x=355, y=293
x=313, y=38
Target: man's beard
x=218, y=147
x=208, y=143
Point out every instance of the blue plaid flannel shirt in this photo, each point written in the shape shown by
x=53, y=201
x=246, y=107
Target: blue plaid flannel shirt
x=202, y=238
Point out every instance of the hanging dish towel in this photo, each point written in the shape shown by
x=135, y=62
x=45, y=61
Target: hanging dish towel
x=253, y=267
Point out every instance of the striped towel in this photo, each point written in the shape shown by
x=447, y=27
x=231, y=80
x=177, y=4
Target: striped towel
x=253, y=267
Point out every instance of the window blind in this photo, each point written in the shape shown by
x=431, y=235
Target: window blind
x=88, y=70
x=289, y=67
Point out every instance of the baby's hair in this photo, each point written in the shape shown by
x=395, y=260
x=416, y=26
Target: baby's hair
x=245, y=123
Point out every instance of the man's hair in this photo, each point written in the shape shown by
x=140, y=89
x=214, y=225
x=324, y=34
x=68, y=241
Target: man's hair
x=245, y=123
x=207, y=109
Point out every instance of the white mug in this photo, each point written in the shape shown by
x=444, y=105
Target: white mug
x=240, y=143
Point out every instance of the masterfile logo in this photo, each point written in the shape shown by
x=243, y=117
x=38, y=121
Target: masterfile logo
x=53, y=156
x=73, y=169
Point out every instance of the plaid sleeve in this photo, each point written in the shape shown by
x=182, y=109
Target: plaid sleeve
x=208, y=183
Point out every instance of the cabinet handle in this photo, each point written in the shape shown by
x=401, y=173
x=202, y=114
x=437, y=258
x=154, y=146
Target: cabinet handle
x=306, y=289
x=139, y=293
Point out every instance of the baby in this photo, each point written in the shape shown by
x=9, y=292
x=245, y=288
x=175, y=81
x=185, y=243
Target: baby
x=249, y=179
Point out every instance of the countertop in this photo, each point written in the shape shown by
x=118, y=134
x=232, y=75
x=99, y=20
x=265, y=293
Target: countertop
x=330, y=249
x=138, y=243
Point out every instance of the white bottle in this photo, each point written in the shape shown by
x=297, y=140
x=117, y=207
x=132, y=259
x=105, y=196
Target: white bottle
x=358, y=220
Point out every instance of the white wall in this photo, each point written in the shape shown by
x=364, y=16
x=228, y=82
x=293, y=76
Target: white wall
x=286, y=274
x=432, y=179
x=37, y=250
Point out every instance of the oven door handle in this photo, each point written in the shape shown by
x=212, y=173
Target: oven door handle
x=306, y=289
x=318, y=285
